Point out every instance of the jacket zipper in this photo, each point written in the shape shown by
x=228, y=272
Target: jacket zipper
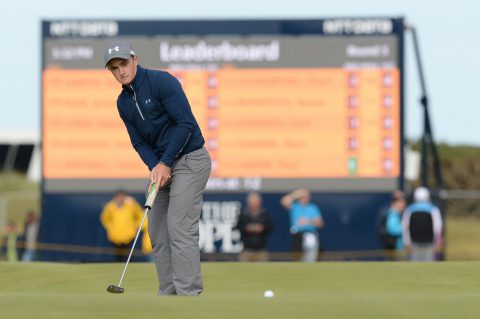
x=136, y=103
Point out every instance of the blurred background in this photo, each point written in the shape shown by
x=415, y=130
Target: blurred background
x=324, y=95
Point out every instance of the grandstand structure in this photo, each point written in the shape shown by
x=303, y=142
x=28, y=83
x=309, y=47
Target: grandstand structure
x=20, y=151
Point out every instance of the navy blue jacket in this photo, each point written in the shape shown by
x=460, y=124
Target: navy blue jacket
x=158, y=118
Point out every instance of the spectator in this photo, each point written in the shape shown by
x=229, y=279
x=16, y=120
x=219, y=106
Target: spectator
x=254, y=225
x=121, y=218
x=11, y=240
x=422, y=224
x=147, y=248
x=391, y=225
x=30, y=236
x=305, y=221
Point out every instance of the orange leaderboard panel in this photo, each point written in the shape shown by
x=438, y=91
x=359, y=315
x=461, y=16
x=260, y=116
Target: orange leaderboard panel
x=266, y=122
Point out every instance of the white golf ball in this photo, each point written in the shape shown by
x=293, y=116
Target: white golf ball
x=268, y=294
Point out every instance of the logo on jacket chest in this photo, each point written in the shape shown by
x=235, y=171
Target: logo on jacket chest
x=148, y=101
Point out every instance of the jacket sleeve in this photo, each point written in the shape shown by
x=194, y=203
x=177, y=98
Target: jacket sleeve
x=241, y=223
x=406, y=227
x=139, y=215
x=176, y=105
x=269, y=226
x=394, y=225
x=437, y=224
x=146, y=153
x=105, y=216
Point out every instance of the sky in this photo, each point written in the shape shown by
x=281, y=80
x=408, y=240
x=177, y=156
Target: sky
x=447, y=31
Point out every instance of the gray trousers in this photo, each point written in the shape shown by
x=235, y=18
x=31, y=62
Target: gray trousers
x=422, y=252
x=173, y=226
x=310, y=245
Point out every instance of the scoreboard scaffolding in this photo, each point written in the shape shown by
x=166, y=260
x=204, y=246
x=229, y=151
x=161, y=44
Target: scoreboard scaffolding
x=282, y=104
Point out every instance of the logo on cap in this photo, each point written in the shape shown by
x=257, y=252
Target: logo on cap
x=110, y=50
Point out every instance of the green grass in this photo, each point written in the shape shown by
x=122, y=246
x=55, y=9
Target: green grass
x=18, y=195
x=463, y=238
x=235, y=290
x=16, y=181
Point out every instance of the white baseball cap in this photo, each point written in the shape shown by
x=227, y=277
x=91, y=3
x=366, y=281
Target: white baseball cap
x=421, y=194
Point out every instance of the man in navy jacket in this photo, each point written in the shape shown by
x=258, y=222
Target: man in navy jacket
x=164, y=132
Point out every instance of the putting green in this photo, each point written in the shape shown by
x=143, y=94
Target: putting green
x=235, y=290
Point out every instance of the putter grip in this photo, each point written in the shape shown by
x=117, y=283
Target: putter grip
x=151, y=197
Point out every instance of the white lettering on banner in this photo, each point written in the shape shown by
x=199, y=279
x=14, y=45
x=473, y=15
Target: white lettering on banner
x=69, y=53
x=233, y=184
x=83, y=28
x=367, y=51
x=358, y=26
x=217, y=224
x=252, y=183
x=223, y=52
x=369, y=65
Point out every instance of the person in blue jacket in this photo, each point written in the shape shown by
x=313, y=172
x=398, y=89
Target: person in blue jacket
x=394, y=220
x=393, y=225
x=166, y=136
x=305, y=221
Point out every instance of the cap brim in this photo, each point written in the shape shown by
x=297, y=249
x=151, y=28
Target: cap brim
x=117, y=56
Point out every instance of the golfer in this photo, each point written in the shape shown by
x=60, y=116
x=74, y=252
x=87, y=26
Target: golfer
x=164, y=132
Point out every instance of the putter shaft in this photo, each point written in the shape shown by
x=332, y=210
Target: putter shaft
x=133, y=246
x=148, y=205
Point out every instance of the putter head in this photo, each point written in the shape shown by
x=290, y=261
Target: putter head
x=115, y=290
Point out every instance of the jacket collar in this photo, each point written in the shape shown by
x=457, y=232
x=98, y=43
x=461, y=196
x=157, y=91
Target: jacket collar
x=137, y=81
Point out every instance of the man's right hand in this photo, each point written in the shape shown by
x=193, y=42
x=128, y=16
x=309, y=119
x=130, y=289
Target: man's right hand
x=255, y=228
x=161, y=175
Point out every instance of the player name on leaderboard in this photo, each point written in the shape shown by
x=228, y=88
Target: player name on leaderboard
x=298, y=123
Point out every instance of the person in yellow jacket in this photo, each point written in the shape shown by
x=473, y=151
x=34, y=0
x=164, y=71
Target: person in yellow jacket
x=121, y=218
x=146, y=243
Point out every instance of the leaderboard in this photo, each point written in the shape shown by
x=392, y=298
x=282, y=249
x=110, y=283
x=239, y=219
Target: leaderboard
x=289, y=123
x=277, y=111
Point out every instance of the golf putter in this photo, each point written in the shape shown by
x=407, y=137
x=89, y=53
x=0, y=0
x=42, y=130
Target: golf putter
x=148, y=205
